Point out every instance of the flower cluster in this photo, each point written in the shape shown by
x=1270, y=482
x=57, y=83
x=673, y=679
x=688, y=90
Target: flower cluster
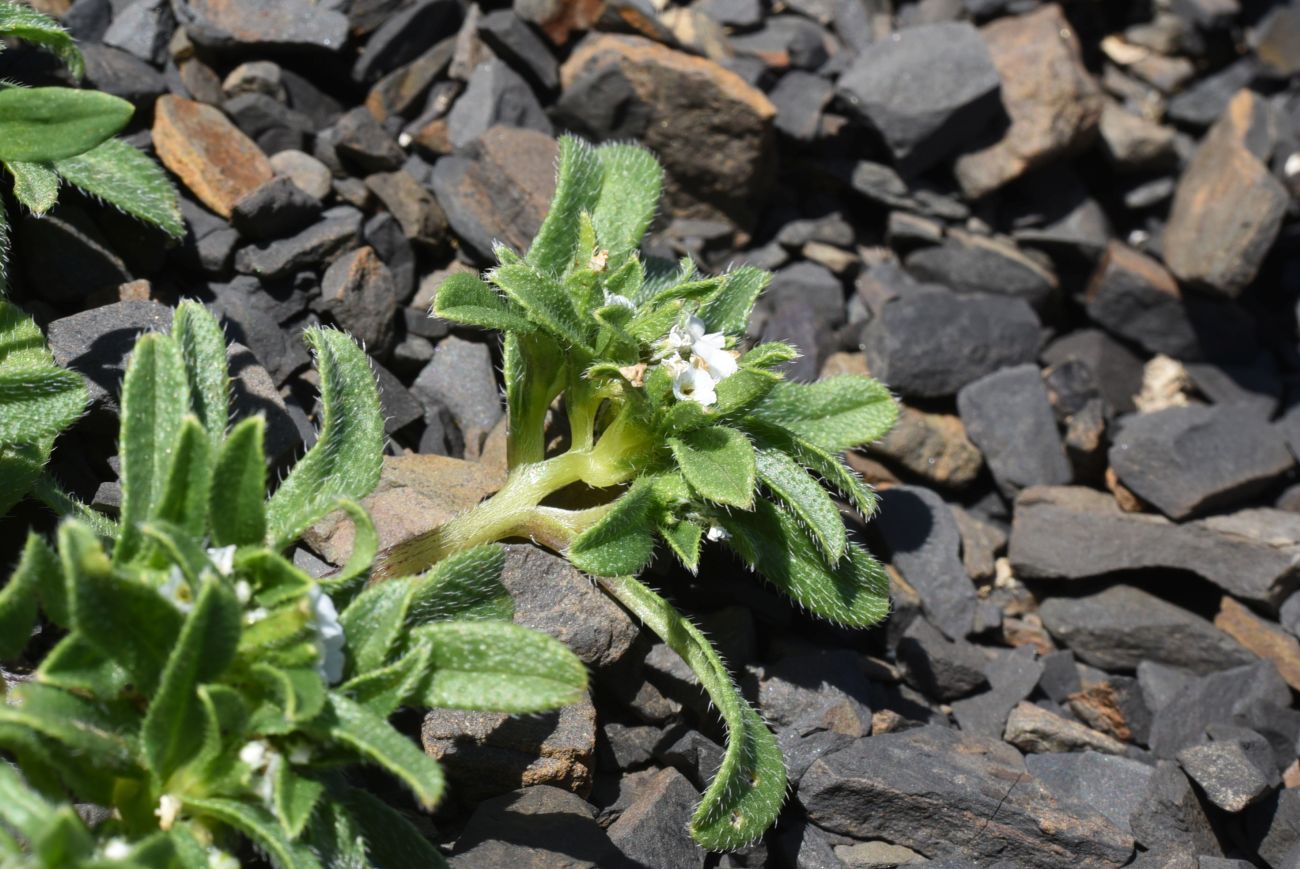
x=697, y=360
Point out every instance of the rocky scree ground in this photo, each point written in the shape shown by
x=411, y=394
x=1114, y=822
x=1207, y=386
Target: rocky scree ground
x=1066, y=235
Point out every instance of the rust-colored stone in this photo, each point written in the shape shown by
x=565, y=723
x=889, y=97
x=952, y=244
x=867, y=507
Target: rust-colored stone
x=210, y=155
x=1097, y=705
x=932, y=445
x=1263, y=638
x=1053, y=102
x=559, y=19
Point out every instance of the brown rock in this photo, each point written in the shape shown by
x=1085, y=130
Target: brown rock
x=558, y=19
x=490, y=753
x=1033, y=729
x=980, y=544
x=422, y=218
x=711, y=130
x=933, y=446
x=400, y=92
x=1132, y=142
x=212, y=158
x=265, y=23
x=1053, y=102
x=1263, y=638
x=1098, y=706
x=358, y=292
x=416, y=493
x=1227, y=209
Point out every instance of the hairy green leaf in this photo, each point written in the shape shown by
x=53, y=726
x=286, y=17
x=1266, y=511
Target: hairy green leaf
x=805, y=499
x=748, y=789
x=238, y=512
x=155, y=398
x=499, y=666
x=372, y=738
x=835, y=414
x=391, y=840
x=87, y=727
x=728, y=310
x=18, y=600
x=544, y=298
x=49, y=123
x=623, y=540
x=718, y=462
x=35, y=185
x=126, y=178
x=75, y=665
x=21, y=21
x=184, y=500
x=173, y=725
x=631, y=184
x=346, y=459
x=463, y=298
x=203, y=347
x=259, y=825
x=683, y=538
x=853, y=592
x=37, y=403
x=577, y=186
x=295, y=797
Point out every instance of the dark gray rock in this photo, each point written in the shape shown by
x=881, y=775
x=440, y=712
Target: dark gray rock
x=1171, y=816
x=1115, y=369
x=937, y=666
x=921, y=536
x=314, y=247
x=652, y=831
x=691, y=753
x=816, y=692
x=95, y=343
x=554, y=598
x=1008, y=417
x=143, y=29
x=1290, y=614
x=515, y=42
x=403, y=36
x=1251, y=554
x=66, y=258
x=627, y=747
x=1119, y=627
x=496, y=94
x=276, y=209
x=1227, y=773
x=461, y=378
x=422, y=220
x=973, y=264
x=1012, y=675
x=88, y=20
x=800, y=97
x=357, y=291
x=210, y=243
x=1273, y=828
x=1202, y=103
x=1114, y=786
x=384, y=234
x=880, y=183
x=920, y=788
x=123, y=75
x=1161, y=683
x=929, y=342
x=1186, y=460
x=252, y=391
x=360, y=140
x=399, y=407
x=740, y=14
x=1252, y=387
x=1133, y=296
x=1217, y=698
x=542, y=827
x=266, y=24
x=1060, y=676
x=927, y=91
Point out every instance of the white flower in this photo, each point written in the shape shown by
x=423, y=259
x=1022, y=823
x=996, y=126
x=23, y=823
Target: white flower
x=243, y=591
x=177, y=590
x=329, y=635
x=221, y=860
x=300, y=754
x=169, y=809
x=717, y=532
x=116, y=849
x=223, y=559
x=694, y=384
x=621, y=301
x=717, y=358
x=255, y=753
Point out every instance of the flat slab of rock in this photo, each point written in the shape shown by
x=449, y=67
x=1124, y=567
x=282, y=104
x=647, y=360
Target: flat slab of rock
x=712, y=131
x=539, y=827
x=489, y=753
x=1035, y=730
x=1252, y=554
x=1052, y=100
x=1265, y=639
x=1114, y=786
x=1008, y=416
x=929, y=342
x=1118, y=628
x=926, y=90
x=265, y=23
x=212, y=158
x=1186, y=460
x=932, y=445
x=1227, y=772
x=1227, y=210
x=946, y=794
x=1217, y=698
x=652, y=831
x=1134, y=296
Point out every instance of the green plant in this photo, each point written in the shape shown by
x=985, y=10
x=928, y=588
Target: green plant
x=204, y=688
x=50, y=135
x=674, y=433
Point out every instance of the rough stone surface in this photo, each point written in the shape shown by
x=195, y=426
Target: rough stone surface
x=921, y=536
x=489, y=753
x=650, y=830
x=711, y=130
x=1171, y=815
x=1227, y=773
x=96, y=343
x=311, y=175
x=1120, y=627
x=496, y=95
x=276, y=209
x=920, y=786
x=926, y=91
x=937, y=666
x=212, y=158
x=539, y=827
x=1035, y=730
x=357, y=291
x=934, y=446
x=1217, y=698
x=1263, y=638
x=461, y=377
x=318, y=243
x=1114, y=786
x=267, y=23
x=970, y=263
x=1251, y=554
x=1012, y=675
x=929, y=342
x=1186, y=460
x=1008, y=416
x=1052, y=100
x=1134, y=297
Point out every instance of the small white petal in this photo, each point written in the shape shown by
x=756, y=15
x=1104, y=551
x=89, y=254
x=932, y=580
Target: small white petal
x=621, y=301
x=117, y=848
x=169, y=809
x=717, y=532
x=720, y=362
x=243, y=591
x=329, y=635
x=254, y=753
x=694, y=384
x=177, y=590
x=223, y=559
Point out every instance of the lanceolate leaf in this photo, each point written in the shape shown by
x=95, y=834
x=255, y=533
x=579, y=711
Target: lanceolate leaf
x=629, y=194
x=391, y=840
x=463, y=298
x=805, y=499
x=126, y=178
x=184, y=500
x=346, y=459
x=18, y=600
x=544, y=298
x=295, y=797
x=748, y=790
x=835, y=414
x=499, y=666
x=372, y=738
x=718, y=462
x=23, y=22
x=35, y=185
x=728, y=311
x=42, y=124
x=623, y=541
x=238, y=510
x=155, y=398
x=203, y=347
x=854, y=591
x=258, y=824
x=576, y=187
x=37, y=403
